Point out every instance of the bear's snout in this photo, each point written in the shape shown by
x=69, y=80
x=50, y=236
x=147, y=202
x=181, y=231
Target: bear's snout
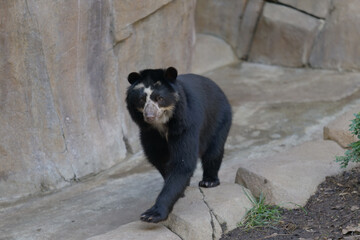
x=150, y=112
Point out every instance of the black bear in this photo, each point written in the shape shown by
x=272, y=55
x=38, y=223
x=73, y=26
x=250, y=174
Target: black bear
x=180, y=118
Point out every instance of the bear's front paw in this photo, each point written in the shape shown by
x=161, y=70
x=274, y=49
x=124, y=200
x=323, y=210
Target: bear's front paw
x=154, y=215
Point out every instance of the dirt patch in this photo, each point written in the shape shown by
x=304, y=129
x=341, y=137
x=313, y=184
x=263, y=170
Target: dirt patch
x=333, y=212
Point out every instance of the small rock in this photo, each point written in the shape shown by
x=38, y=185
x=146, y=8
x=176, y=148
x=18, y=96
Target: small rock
x=351, y=229
x=337, y=207
x=354, y=208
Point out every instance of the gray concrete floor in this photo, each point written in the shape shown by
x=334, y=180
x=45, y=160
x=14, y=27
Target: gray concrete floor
x=274, y=109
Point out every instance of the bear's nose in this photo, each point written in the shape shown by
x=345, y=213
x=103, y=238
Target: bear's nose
x=150, y=112
x=150, y=118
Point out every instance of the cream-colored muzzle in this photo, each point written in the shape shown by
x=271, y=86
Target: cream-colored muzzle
x=151, y=111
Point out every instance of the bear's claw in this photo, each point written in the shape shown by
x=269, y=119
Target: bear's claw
x=154, y=215
x=209, y=184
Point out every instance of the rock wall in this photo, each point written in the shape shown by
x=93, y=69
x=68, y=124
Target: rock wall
x=291, y=33
x=63, y=70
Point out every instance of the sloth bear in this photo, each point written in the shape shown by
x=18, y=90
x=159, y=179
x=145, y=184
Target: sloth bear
x=180, y=118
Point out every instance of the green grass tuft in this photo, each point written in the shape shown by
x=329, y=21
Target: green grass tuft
x=260, y=214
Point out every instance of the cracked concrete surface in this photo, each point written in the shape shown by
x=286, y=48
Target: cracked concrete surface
x=191, y=218
x=274, y=109
x=212, y=217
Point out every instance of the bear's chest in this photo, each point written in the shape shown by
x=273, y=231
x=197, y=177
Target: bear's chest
x=162, y=129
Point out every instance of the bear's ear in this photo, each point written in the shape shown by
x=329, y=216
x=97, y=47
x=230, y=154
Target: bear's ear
x=171, y=74
x=133, y=77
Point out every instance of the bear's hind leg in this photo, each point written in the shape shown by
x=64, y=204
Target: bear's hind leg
x=212, y=158
x=211, y=165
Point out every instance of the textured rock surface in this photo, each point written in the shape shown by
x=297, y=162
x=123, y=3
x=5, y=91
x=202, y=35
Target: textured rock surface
x=284, y=36
x=289, y=178
x=63, y=78
x=229, y=203
x=337, y=46
x=210, y=52
x=338, y=130
x=248, y=26
x=263, y=123
x=192, y=219
x=207, y=213
x=220, y=18
x=318, y=8
x=138, y=231
x=321, y=33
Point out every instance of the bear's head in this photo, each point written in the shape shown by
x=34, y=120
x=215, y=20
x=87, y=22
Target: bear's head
x=152, y=93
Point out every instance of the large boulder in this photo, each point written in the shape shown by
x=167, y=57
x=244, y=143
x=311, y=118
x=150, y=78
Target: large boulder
x=63, y=71
x=337, y=46
x=284, y=36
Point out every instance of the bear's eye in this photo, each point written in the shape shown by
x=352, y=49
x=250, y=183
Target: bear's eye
x=160, y=99
x=143, y=99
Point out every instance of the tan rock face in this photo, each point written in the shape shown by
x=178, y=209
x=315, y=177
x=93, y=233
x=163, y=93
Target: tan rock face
x=317, y=8
x=221, y=18
x=337, y=46
x=284, y=36
x=209, y=53
x=63, y=80
x=247, y=27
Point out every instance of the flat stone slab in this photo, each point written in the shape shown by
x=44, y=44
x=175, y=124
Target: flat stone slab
x=338, y=130
x=289, y=178
x=138, y=231
x=208, y=213
x=229, y=203
x=191, y=218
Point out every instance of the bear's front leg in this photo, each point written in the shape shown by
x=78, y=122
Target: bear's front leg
x=183, y=155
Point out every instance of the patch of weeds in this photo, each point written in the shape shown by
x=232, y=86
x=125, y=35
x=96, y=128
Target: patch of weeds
x=353, y=153
x=260, y=214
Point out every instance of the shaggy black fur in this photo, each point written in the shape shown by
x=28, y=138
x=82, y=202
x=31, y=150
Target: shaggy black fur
x=199, y=126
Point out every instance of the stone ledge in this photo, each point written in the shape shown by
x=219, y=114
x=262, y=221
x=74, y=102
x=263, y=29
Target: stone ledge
x=338, y=130
x=288, y=179
x=208, y=213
